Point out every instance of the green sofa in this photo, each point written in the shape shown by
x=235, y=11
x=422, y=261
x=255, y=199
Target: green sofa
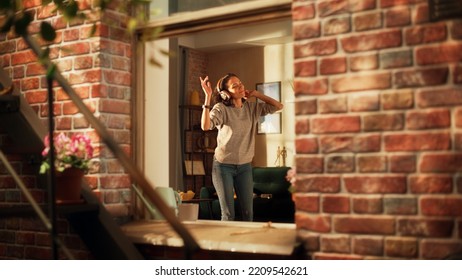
x=273, y=201
x=272, y=198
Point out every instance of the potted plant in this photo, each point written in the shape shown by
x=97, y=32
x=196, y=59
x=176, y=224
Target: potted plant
x=72, y=159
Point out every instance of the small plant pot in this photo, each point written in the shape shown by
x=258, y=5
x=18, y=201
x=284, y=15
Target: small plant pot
x=69, y=186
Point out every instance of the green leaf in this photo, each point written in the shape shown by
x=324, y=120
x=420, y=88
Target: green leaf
x=20, y=25
x=82, y=16
x=132, y=24
x=93, y=30
x=44, y=167
x=155, y=12
x=46, y=2
x=47, y=31
x=7, y=5
x=155, y=62
x=156, y=31
x=140, y=2
x=70, y=11
x=8, y=23
x=102, y=5
x=166, y=52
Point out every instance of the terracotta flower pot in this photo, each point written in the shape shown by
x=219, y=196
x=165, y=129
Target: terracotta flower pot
x=68, y=186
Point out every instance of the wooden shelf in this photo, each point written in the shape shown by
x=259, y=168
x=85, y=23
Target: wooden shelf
x=198, y=145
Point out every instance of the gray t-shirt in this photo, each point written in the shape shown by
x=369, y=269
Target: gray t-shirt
x=236, y=130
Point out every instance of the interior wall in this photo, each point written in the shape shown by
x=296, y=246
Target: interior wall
x=197, y=62
x=379, y=124
x=247, y=63
x=157, y=157
x=278, y=67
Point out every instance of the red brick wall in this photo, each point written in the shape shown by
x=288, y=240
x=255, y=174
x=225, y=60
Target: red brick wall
x=197, y=67
x=99, y=69
x=379, y=122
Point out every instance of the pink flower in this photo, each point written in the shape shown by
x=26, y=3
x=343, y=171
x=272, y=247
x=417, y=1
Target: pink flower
x=70, y=152
x=47, y=146
x=81, y=146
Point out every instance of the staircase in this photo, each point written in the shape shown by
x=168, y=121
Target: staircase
x=90, y=220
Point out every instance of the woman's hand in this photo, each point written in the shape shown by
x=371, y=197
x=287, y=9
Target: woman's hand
x=205, y=117
x=205, y=83
x=250, y=93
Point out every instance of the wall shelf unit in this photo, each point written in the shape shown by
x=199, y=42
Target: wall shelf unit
x=198, y=148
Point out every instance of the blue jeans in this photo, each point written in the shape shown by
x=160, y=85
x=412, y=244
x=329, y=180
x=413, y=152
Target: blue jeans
x=228, y=178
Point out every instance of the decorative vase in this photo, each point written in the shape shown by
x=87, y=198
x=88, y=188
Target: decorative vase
x=194, y=98
x=68, y=186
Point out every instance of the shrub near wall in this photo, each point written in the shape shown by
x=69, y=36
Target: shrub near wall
x=379, y=122
x=99, y=69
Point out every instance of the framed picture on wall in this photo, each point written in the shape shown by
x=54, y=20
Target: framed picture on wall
x=271, y=123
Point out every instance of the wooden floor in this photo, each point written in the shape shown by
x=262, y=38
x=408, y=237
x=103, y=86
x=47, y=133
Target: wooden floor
x=217, y=240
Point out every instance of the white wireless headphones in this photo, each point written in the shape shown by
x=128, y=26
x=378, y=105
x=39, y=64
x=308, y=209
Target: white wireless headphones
x=223, y=93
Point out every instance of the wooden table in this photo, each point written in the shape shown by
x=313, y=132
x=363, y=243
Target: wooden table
x=233, y=237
